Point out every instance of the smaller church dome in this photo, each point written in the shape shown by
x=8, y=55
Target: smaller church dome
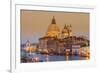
x=67, y=31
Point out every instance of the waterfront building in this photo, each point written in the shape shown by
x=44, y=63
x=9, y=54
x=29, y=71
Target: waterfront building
x=30, y=47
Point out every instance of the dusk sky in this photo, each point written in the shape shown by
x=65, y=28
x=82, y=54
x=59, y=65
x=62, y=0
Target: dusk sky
x=34, y=24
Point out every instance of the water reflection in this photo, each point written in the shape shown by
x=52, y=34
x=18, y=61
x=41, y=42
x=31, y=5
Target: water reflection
x=67, y=57
x=47, y=57
x=34, y=57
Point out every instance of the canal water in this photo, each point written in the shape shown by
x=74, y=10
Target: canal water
x=44, y=58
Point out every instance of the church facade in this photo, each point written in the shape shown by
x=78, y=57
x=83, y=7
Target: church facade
x=57, y=41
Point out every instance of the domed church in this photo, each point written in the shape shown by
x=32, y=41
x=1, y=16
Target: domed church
x=56, y=40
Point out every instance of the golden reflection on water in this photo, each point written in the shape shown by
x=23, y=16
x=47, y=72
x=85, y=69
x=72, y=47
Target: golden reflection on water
x=67, y=57
x=87, y=58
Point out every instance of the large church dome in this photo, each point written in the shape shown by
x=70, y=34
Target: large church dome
x=53, y=30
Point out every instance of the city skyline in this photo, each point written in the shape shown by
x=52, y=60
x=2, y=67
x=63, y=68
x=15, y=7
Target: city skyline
x=34, y=24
